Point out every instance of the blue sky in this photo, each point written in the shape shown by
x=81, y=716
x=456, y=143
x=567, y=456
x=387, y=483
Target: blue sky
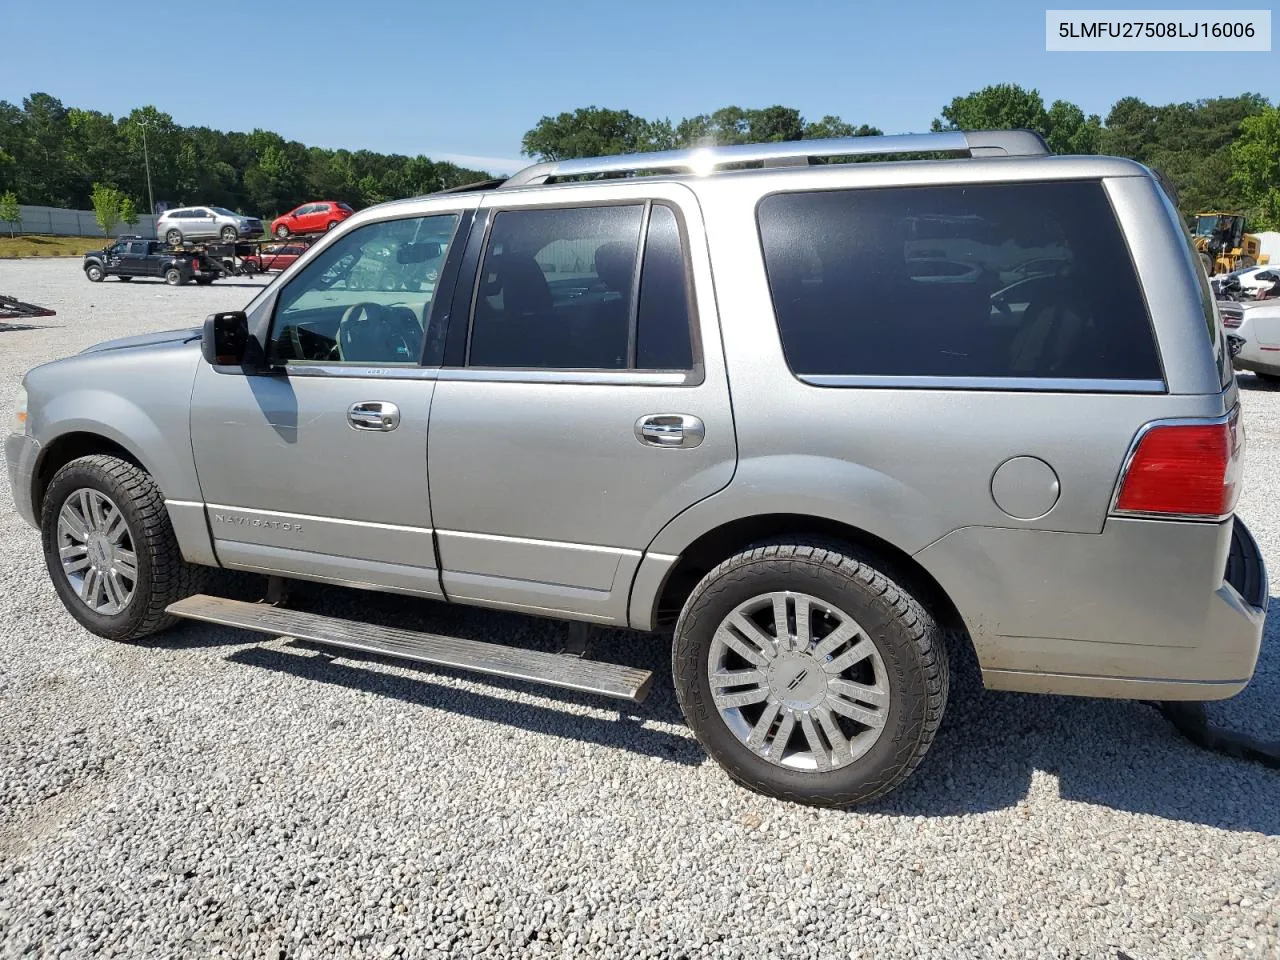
x=463, y=81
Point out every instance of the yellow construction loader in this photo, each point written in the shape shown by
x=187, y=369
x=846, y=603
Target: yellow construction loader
x=1223, y=244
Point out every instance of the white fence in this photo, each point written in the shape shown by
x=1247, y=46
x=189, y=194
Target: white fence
x=74, y=223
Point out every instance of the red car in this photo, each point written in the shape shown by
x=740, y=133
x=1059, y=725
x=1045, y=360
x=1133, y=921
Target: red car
x=274, y=256
x=315, y=217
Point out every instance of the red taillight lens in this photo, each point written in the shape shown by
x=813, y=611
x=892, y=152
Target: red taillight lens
x=1184, y=469
x=1232, y=320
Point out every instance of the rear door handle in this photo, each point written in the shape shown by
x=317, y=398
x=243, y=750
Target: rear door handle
x=670, y=430
x=373, y=415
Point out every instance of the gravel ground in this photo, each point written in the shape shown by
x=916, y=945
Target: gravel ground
x=202, y=796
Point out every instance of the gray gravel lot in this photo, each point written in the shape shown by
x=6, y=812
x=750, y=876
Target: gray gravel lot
x=199, y=795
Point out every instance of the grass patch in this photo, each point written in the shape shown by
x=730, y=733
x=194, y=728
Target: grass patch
x=41, y=245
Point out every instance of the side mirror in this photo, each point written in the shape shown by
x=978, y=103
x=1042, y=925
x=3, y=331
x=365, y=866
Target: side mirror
x=225, y=340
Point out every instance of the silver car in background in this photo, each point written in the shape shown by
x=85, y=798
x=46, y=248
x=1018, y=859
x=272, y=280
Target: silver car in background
x=184, y=224
x=813, y=422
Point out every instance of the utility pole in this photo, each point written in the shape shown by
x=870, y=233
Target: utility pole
x=146, y=159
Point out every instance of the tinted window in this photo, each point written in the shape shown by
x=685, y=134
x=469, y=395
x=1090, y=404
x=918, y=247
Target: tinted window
x=1027, y=280
x=556, y=289
x=662, y=330
x=366, y=297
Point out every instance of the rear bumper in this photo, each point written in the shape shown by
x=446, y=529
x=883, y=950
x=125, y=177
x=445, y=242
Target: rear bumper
x=20, y=454
x=1145, y=609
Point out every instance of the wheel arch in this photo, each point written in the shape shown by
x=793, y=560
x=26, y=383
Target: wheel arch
x=61, y=450
x=661, y=608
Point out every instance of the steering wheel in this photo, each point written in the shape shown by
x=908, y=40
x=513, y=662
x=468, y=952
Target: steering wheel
x=371, y=333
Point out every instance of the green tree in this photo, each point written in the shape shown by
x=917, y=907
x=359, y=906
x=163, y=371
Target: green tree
x=128, y=212
x=591, y=132
x=1003, y=106
x=106, y=206
x=1255, y=155
x=830, y=127
x=1068, y=130
x=10, y=213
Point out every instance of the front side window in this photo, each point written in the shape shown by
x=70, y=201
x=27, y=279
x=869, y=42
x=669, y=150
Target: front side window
x=365, y=298
x=558, y=291
x=1017, y=280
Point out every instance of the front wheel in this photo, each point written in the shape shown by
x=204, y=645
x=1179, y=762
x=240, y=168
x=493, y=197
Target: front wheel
x=809, y=674
x=332, y=224
x=282, y=232
x=230, y=234
x=110, y=549
x=94, y=272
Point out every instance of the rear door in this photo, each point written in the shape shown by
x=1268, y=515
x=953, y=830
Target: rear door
x=584, y=400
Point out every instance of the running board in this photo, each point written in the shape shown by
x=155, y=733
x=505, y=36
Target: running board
x=535, y=666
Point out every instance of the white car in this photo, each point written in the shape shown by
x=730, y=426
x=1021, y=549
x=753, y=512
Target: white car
x=205, y=223
x=1253, y=331
x=1252, y=279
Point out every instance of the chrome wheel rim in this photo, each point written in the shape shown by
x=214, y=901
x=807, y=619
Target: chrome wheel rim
x=97, y=551
x=798, y=682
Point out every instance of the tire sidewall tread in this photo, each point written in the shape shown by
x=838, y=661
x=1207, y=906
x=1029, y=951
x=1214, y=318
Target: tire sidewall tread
x=163, y=575
x=909, y=640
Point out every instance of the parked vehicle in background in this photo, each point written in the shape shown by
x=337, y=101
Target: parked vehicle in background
x=1254, y=338
x=131, y=257
x=274, y=256
x=1245, y=283
x=985, y=398
x=315, y=217
x=205, y=223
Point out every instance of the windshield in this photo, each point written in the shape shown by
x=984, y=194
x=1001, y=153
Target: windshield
x=1205, y=225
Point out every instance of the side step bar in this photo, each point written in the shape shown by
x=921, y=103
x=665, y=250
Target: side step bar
x=554, y=669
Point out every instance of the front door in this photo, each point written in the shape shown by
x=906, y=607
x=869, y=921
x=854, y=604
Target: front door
x=586, y=404
x=317, y=469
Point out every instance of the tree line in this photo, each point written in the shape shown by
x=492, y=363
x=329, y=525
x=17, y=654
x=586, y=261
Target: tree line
x=54, y=155
x=1219, y=153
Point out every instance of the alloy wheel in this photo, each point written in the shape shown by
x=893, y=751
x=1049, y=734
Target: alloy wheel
x=97, y=551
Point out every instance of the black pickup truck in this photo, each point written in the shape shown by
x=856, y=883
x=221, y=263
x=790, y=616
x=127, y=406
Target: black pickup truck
x=131, y=257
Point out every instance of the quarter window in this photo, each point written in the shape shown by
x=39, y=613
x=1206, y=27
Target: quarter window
x=366, y=297
x=1027, y=280
x=557, y=290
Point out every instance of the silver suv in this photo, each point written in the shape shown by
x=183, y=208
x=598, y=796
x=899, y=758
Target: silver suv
x=205, y=223
x=814, y=420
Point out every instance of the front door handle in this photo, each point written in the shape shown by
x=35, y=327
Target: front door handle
x=670, y=430
x=373, y=415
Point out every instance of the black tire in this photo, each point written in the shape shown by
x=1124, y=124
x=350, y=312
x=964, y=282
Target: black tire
x=163, y=577
x=907, y=638
x=282, y=232
x=95, y=273
x=332, y=224
x=229, y=234
x=173, y=276
x=173, y=237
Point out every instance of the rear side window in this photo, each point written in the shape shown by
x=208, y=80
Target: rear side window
x=1025, y=281
x=558, y=291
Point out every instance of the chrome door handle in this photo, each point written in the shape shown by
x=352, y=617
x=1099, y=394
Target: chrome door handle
x=373, y=415
x=670, y=430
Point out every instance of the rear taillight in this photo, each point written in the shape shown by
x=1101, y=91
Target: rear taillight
x=1232, y=320
x=1188, y=469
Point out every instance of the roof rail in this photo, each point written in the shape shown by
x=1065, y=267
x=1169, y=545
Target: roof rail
x=701, y=160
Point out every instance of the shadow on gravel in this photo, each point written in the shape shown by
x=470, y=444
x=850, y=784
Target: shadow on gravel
x=1254, y=382
x=1115, y=753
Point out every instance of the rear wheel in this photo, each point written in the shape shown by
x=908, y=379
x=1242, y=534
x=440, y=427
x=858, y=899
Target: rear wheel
x=110, y=549
x=94, y=272
x=173, y=237
x=173, y=276
x=809, y=674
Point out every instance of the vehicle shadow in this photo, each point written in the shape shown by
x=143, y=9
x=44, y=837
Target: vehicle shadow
x=1252, y=381
x=1120, y=754
x=1115, y=753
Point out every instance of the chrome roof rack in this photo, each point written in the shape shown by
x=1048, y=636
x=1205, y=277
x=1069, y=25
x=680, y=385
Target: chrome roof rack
x=702, y=160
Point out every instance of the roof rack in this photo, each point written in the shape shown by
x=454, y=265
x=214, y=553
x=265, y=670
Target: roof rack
x=701, y=160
